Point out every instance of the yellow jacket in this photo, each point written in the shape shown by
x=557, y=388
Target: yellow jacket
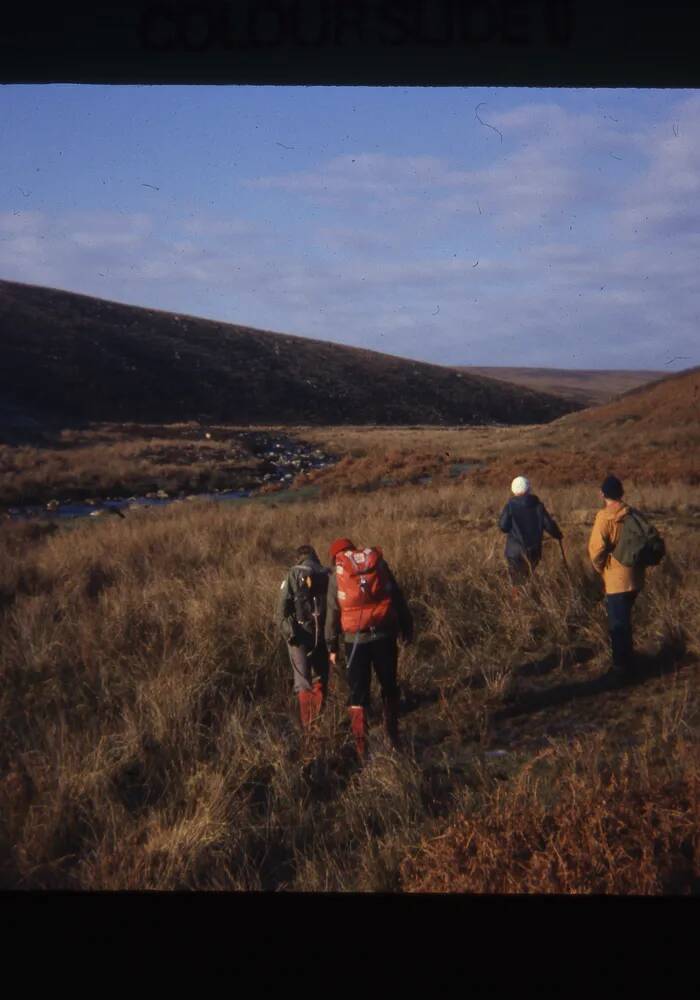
x=617, y=579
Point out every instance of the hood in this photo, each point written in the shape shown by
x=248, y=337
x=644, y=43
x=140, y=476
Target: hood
x=309, y=562
x=617, y=515
x=527, y=500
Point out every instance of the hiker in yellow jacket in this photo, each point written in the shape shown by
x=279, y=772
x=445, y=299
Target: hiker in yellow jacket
x=622, y=583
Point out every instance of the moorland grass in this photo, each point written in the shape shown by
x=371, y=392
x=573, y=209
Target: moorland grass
x=149, y=732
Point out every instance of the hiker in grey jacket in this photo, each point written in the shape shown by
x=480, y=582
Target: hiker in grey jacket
x=525, y=519
x=301, y=619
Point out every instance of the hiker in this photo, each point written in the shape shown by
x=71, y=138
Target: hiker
x=524, y=519
x=366, y=606
x=301, y=616
x=622, y=544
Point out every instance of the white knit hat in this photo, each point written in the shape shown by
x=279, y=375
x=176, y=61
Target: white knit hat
x=520, y=485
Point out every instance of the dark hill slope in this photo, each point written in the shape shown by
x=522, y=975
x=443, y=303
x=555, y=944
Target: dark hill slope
x=80, y=358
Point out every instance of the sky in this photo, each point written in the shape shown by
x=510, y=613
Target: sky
x=503, y=226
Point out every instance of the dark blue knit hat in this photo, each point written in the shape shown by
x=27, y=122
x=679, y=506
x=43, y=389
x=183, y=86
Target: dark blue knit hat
x=611, y=488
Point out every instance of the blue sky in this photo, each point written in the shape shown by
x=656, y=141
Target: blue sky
x=512, y=226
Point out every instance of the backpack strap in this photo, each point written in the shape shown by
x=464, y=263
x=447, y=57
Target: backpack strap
x=302, y=576
x=630, y=512
x=639, y=520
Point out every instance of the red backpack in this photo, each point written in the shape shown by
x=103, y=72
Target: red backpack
x=364, y=591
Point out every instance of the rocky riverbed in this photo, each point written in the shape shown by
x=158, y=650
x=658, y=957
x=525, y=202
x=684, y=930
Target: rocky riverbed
x=266, y=462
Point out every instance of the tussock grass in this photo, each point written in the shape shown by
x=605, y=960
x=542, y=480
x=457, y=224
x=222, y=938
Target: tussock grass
x=123, y=460
x=571, y=822
x=149, y=734
x=649, y=434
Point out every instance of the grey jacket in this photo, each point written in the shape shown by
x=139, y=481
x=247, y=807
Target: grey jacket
x=301, y=614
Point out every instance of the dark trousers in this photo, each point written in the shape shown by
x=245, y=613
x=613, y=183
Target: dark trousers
x=619, y=608
x=309, y=665
x=382, y=654
x=520, y=569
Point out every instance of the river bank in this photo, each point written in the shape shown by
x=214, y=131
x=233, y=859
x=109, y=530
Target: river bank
x=116, y=468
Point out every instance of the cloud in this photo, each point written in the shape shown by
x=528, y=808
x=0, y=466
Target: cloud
x=557, y=302
x=375, y=174
x=537, y=173
x=12, y=223
x=102, y=230
x=552, y=128
x=203, y=226
x=62, y=249
x=547, y=251
x=517, y=193
x=664, y=201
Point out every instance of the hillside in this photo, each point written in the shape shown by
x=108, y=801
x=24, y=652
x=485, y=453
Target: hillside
x=651, y=434
x=587, y=386
x=73, y=358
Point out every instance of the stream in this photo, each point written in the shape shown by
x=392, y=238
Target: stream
x=283, y=456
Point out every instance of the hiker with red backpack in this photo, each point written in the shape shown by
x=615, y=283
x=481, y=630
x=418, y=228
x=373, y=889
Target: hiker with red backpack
x=301, y=618
x=621, y=546
x=366, y=607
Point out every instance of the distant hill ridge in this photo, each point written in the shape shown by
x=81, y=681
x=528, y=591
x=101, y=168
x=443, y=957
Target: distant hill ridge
x=588, y=386
x=71, y=357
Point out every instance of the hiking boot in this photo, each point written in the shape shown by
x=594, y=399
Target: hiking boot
x=616, y=674
x=306, y=708
x=358, y=727
x=318, y=698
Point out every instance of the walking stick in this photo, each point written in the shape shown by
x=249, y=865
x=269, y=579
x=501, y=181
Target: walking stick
x=563, y=555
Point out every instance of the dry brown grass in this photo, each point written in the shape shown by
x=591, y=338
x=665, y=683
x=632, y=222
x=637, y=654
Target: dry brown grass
x=121, y=460
x=149, y=735
x=650, y=435
x=381, y=457
x=573, y=821
x=125, y=459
